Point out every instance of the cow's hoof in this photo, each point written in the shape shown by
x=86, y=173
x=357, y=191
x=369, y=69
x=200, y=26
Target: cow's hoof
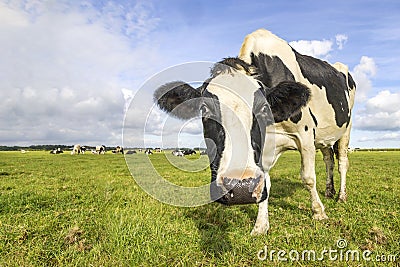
x=342, y=198
x=259, y=230
x=320, y=216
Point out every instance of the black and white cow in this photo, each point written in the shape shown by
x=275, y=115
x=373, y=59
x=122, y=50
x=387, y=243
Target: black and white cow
x=117, y=150
x=76, y=149
x=56, y=151
x=177, y=153
x=268, y=100
x=101, y=149
x=189, y=152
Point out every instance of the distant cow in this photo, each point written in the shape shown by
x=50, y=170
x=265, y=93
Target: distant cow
x=148, y=152
x=83, y=149
x=101, y=149
x=118, y=149
x=269, y=92
x=189, y=152
x=177, y=153
x=76, y=149
x=56, y=151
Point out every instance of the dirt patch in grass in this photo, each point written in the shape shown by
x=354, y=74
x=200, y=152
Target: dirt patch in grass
x=74, y=237
x=376, y=237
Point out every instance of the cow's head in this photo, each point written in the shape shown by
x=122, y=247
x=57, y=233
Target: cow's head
x=236, y=110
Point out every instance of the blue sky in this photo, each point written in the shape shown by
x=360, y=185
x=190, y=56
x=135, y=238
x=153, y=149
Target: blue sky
x=68, y=67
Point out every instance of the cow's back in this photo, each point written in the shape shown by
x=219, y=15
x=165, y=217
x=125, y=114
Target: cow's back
x=332, y=87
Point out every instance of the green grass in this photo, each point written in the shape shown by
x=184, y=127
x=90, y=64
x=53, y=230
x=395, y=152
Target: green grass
x=87, y=210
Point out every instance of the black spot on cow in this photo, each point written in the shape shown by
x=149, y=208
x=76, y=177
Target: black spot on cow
x=326, y=77
x=351, y=82
x=262, y=117
x=313, y=117
x=270, y=70
x=213, y=131
x=286, y=100
x=306, y=128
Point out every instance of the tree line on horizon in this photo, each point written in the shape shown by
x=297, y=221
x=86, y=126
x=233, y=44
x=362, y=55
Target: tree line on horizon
x=41, y=147
x=69, y=147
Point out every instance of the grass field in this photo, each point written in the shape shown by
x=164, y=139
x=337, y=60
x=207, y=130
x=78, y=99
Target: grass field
x=87, y=210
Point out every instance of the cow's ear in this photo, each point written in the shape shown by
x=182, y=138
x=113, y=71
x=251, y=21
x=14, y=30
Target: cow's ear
x=287, y=99
x=178, y=99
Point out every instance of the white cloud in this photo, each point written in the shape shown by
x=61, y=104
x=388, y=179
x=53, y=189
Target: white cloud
x=341, y=40
x=367, y=66
x=378, y=117
x=10, y=17
x=384, y=101
x=381, y=113
x=65, y=66
x=379, y=121
x=315, y=48
x=362, y=74
x=67, y=93
x=132, y=19
x=381, y=136
x=318, y=48
x=139, y=20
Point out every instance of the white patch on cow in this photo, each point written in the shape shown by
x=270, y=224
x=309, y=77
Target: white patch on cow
x=235, y=93
x=261, y=41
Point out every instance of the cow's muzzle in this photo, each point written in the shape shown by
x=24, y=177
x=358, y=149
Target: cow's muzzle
x=239, y=191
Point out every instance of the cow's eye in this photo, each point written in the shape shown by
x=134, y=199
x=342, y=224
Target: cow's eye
x=265, y=109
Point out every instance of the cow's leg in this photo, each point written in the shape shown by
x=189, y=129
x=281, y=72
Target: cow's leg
x=342, y=149
x=262, y=223
x=309, y=180
x=329, y=160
